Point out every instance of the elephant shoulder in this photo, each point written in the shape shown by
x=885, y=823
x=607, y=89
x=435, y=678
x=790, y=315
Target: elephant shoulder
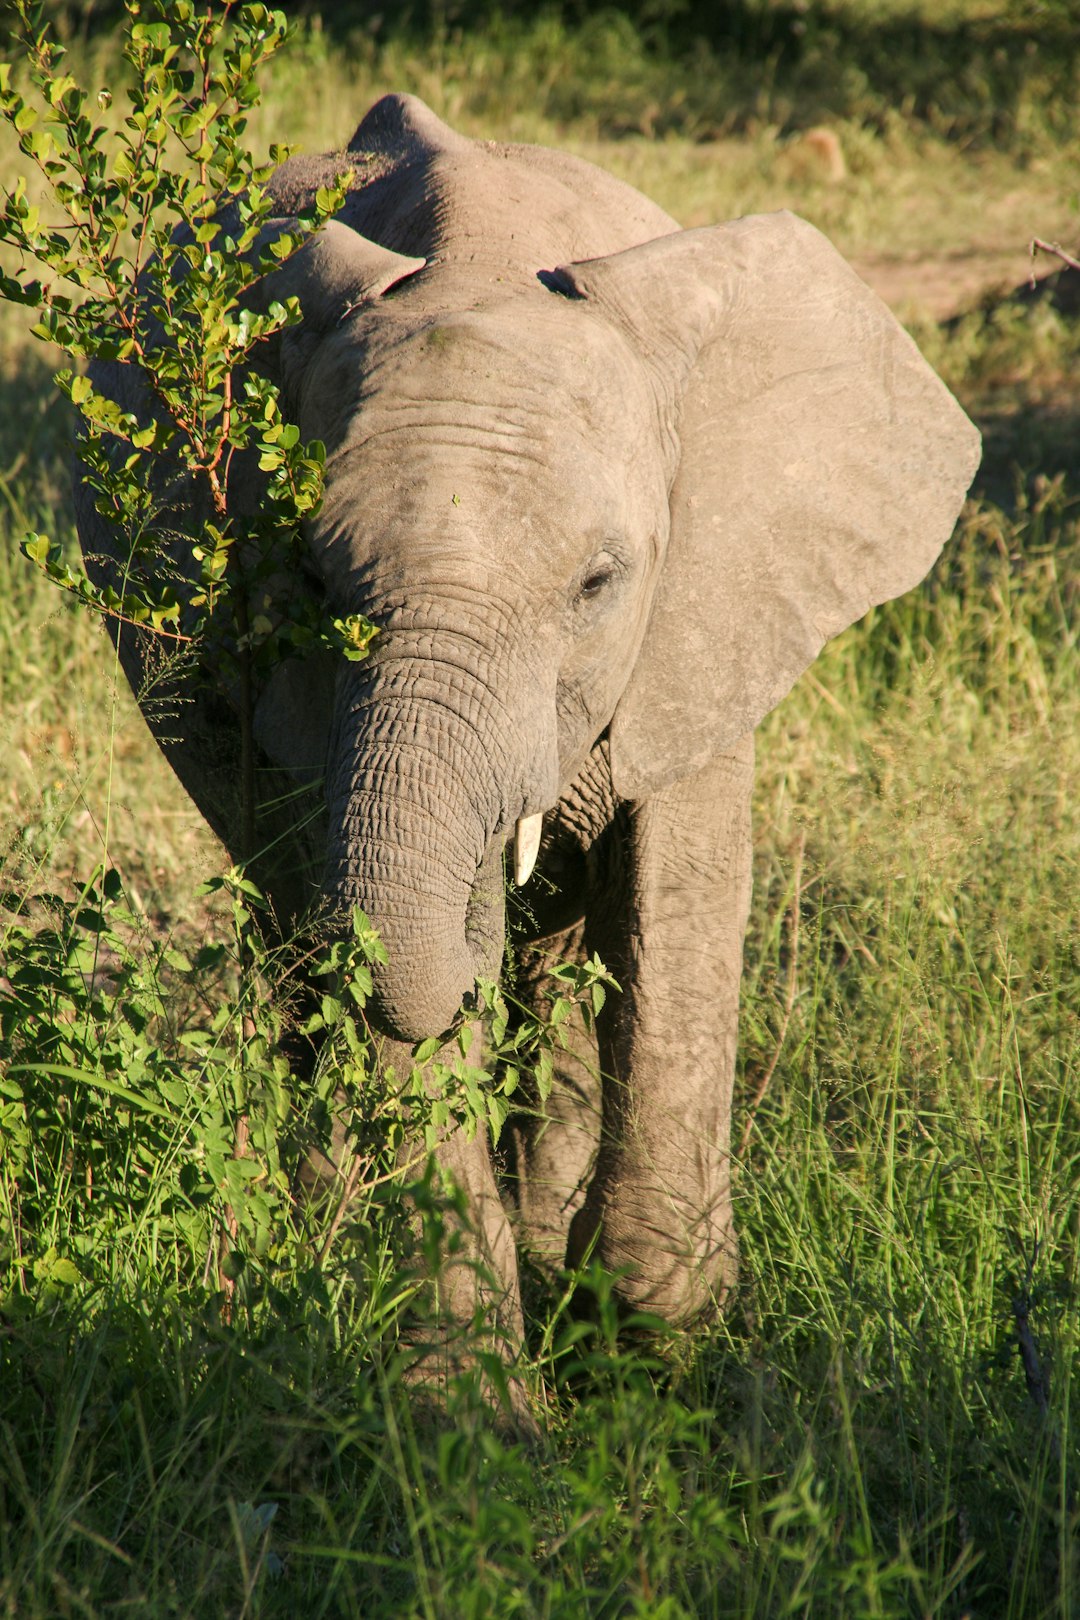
x=397, y=131
x=293, y=185
x=388, y=161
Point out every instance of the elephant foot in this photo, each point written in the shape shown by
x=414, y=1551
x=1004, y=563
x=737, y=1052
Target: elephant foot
x=450, y=1375
x=683, y=1286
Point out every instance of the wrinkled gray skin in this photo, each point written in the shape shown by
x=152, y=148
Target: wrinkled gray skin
x=604, y=514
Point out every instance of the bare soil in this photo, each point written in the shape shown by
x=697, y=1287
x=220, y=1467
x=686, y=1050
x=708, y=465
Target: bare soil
x=946, y=284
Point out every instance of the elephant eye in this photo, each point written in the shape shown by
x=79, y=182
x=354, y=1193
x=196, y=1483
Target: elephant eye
x=594, y=582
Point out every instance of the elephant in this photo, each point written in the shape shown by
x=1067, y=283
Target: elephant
x=605, y=486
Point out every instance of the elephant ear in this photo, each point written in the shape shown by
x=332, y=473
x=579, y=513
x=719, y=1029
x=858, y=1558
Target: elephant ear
x=334, y=272
x=821, y=467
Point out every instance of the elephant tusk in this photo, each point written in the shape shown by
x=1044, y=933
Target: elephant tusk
x=526, y=844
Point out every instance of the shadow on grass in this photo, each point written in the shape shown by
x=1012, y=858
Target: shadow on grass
x=153, y=1458
x=986, y=78
x=1012, y=360
x=156, y=1464
x=35, y=442
x=1019, y=438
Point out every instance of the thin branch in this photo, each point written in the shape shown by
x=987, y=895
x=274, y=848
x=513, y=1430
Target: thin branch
x=347, y=1196
x=124, y=618
x=1039, y=246
x=247, y=725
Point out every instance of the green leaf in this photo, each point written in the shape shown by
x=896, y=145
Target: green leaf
x=233, y=1265
x=50, y=1268
x=13, y=291
x=37, y=547
x=354, y=635
x=98, y=1082
x=498, y=1109
x=155, y=35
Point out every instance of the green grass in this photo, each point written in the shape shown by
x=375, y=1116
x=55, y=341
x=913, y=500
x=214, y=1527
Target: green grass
x=859, y=1435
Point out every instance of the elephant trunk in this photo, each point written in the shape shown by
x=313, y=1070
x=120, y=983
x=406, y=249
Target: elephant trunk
x=418, y=821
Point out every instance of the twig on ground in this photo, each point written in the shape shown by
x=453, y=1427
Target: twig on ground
x=1039, y=246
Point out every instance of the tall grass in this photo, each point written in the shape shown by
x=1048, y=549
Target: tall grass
x=881, y=1424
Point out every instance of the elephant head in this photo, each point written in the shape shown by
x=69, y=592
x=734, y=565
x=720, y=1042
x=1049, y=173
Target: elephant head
x=632, y=496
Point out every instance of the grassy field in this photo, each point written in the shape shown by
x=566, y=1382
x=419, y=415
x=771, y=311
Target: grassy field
x=881, y=1426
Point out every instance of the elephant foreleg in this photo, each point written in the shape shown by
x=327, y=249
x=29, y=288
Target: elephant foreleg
x=555, y=1140
x=669, y=922
x=477, y=1276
